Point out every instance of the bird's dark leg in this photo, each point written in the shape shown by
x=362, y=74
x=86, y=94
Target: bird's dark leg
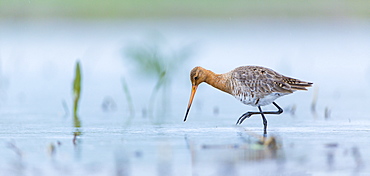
x=264, y=122
x=248, y=114
x=280, y=110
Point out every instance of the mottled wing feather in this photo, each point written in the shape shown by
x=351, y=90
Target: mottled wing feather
x=282, y=87
x=259, y=81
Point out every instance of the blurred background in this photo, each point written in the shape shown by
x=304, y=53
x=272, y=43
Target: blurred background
x=135, y=59
x=325, y=42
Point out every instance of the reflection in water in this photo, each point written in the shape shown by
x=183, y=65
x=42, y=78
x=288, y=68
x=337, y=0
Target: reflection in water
x=77, y=125
x=228, y=157
x=358, y=159
x=51, y=150
x=331, y=155
x=18, y=165
x=122, y=164
x=164, y=164
x=227, y=168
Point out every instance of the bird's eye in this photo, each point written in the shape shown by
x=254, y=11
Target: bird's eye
x=196, y=78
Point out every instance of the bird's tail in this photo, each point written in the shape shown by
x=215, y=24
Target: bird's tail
x=297, y=84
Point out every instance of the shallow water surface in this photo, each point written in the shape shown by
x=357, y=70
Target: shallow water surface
x=109, y=147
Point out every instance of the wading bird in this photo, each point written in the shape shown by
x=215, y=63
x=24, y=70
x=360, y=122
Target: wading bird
x=252, y=85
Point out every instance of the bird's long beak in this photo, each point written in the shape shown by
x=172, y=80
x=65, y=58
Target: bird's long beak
x=193, y=90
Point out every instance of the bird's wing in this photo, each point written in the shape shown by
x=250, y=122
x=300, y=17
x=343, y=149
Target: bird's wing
x=260, y=80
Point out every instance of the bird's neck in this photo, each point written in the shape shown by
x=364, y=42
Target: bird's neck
x=219, y=81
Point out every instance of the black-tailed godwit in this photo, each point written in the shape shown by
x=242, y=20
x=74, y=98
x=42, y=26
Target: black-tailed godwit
x=252, y=85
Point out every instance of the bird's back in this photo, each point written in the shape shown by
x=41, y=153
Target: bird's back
x=259, y=86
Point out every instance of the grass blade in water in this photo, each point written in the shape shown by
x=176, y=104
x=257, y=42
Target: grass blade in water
x=76, y=98
x=129, y=100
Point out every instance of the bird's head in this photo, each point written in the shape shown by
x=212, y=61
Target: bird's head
x=197, y=76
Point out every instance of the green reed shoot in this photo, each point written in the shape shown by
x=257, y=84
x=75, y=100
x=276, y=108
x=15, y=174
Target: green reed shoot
x=76, y=98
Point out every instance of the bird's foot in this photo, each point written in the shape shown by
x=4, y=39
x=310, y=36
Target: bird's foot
x=243, y=117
